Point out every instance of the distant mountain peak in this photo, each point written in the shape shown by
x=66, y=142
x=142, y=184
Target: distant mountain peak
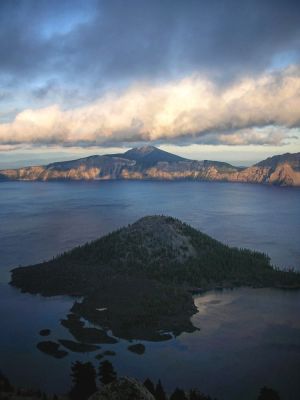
x=145, y=149
x=142, y=151
x=151, y=155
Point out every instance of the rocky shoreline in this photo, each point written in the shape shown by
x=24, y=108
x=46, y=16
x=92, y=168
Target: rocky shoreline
x=151, y=163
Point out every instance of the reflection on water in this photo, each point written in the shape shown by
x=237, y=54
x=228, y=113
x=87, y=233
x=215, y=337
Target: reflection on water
x=247, y=338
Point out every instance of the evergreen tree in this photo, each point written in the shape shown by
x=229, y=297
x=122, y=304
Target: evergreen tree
x=178, y=394
x=84, y=379
x=268, y=394
x=196, y=395
x=150, y=386
x=5, y=385
x=159, y=392
x=107, y=374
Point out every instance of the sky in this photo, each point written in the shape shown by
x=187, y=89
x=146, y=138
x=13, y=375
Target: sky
x=203, y=79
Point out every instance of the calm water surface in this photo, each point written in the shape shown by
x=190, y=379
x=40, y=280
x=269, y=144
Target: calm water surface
x=247, y=338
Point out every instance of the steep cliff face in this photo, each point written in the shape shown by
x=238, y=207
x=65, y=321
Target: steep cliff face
x=283, y=170
x=148, y=162
x=23, y=174
x=282, y=175
x=90, y=168
x=179, y=170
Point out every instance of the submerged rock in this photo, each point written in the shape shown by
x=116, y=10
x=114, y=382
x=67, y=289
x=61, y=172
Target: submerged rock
x=52, y=349
x=85, y=335
x=109, y=353
x=45, y=332
x=138, y=348
x=78, y=347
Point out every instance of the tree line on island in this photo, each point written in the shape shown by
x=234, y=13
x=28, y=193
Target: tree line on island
x=153, y=267
x=155, y=247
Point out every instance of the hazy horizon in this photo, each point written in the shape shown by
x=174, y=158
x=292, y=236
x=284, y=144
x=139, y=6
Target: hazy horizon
x=17, y=159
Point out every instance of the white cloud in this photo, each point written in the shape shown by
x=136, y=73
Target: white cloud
x=259, y=110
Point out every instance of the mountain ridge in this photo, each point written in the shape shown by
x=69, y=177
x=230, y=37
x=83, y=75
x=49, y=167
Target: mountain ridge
x=151, y=163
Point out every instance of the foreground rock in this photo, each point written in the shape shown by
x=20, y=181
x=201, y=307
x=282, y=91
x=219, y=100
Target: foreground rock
x=148, y=162
x=123, y=389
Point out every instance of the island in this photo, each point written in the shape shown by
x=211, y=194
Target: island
x=138, y=282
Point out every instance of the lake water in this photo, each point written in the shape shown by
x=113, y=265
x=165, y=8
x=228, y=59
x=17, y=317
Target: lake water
x=247, y=338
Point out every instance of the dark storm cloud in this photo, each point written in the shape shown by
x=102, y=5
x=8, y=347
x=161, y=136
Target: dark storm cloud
x=137, y=39
x=55, y=90
x=90, y=72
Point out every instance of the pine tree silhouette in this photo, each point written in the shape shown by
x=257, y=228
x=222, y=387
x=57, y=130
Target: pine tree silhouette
x=5, y=385
x=159, y=392
x=84, y=379
x=178, y=394
x=196, y=395
x=107, y=374
x=150, y=386
x=268, y=394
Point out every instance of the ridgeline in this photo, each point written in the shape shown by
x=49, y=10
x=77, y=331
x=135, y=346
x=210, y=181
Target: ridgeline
x=151, y=163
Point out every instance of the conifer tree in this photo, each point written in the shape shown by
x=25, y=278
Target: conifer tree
x=268, y=394
x=159, y=392
x=84, y=379
x=150, y=386
x=107, y=374
x=178, y=394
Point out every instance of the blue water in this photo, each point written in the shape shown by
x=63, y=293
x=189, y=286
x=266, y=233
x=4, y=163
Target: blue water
x=248, y=338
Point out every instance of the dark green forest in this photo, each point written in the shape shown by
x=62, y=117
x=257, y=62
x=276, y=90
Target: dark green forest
x=152, y=268
x=160, y=248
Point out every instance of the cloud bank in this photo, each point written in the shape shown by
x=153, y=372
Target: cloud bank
x=112, y=40
x=265, y=110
